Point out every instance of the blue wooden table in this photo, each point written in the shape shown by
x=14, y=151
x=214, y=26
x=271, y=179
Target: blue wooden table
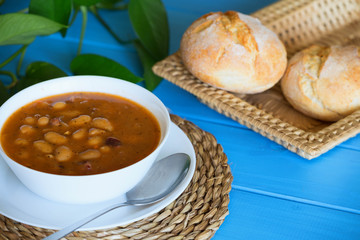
x=275, y=193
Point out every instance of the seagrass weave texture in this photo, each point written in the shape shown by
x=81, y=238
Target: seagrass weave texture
x=196, y=214
x=298, y=24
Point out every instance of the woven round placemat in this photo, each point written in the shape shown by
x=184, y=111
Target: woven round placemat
x=196, y=214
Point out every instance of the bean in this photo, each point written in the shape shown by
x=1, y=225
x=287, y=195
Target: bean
x=80, y=120
x=43, y=105
x=105, y=149
x=102, y=123
x=21, y=142
x=70, y=113
x=63, y=153
x=45, y=130
x=43, y=146
x=55, y=122
x=43, y=121
x=90, y=154
x=27, y=129
x=96, y=131
x=59, y=105
x=55, y=138
x=95, y=141
x=79, y=134
x=29, y=120
x=113, y=142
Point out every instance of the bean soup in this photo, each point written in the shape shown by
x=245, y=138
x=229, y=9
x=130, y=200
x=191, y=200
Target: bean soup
x=80, y=133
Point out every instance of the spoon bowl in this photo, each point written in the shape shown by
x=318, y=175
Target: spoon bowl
x=163, y=178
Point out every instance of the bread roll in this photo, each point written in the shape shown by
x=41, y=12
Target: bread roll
x=324, y=82
x=234, y=52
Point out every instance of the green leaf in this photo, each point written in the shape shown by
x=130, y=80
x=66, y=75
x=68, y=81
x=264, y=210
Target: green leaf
x=86, y=2
x=151, y=80
x=149, y=20
x=21, y=28
x=92, y=64
x=56, y=10
x=38, y=72
x=1, y=2
x=4, y=94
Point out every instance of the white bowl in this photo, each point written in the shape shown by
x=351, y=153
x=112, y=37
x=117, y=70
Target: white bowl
x=88, y=188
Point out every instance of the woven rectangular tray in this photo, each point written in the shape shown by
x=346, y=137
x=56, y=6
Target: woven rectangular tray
x=298, y=24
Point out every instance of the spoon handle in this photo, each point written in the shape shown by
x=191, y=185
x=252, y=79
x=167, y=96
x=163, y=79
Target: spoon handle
x=71, y=228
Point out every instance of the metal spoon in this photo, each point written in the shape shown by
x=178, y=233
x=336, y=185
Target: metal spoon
x=162, y=179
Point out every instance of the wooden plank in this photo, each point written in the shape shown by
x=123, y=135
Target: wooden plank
x=259, y=164
x=254, y=216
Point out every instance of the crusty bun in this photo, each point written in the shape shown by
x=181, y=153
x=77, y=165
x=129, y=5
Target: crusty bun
x=234, y=52
x=324, y=82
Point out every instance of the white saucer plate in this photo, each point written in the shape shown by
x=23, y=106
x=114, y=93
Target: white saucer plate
x=22, y=205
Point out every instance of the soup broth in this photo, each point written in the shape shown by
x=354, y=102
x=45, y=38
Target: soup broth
x=80, y=134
